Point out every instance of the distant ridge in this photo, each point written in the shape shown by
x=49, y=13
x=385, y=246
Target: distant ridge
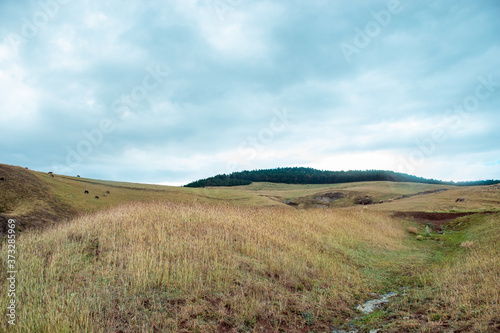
x=301, y=175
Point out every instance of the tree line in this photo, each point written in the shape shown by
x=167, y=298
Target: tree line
x=301, y=175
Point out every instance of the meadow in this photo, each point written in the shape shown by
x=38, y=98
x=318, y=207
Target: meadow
x=149, y=258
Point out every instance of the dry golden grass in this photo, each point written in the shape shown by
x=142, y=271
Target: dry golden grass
x=39, y=200
x=305, y=194
x=467, y=244
x=193, y=267
x=479, y=198
x=219, y=260
x=413, y=230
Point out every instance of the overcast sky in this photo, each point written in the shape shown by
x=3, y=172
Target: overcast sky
x=173, y=91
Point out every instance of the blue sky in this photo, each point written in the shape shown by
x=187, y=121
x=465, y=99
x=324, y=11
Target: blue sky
x=173, y=91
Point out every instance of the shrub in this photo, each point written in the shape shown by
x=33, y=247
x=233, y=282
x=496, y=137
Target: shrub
x=428, y=230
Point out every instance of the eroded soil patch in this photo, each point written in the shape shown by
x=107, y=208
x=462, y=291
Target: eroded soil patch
x=436, y=219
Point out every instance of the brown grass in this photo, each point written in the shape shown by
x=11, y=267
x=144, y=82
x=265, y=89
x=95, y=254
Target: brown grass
x=467, y=244
x=192, y=267
x=219, y=260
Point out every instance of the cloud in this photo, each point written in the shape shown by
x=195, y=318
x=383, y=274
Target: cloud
x=67, y=66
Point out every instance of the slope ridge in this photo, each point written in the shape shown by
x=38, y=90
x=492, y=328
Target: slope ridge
x=24, y=196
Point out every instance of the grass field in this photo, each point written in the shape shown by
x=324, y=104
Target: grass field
x=39, y=199
x=150, y=258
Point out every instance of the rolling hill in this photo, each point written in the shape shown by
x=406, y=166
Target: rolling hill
x=264, y=257
x=38, y=199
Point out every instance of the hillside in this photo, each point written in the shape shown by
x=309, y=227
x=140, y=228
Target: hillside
x=386, y=196
x=298, y=175
x=193, y=267
x=29, y=197
x=264, y=257
x=37, y=199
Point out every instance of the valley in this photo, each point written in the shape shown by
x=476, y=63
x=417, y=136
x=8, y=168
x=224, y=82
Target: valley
x=151, y=258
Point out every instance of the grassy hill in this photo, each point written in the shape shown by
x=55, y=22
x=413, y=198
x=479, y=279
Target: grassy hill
x=37, y=199
x=478, y=198
x=240, y=259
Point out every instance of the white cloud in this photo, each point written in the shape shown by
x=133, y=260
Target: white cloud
x=356, y=161
x=19, y=100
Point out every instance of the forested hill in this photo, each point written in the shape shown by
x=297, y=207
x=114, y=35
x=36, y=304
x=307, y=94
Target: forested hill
x=313, y=176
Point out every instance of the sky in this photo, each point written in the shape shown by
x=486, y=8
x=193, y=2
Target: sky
x=168, y=92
